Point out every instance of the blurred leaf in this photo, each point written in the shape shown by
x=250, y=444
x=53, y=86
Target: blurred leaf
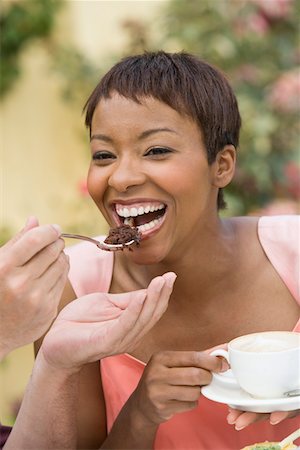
x=20, y=23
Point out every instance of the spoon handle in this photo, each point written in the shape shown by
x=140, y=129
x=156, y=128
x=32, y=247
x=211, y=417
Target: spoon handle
x=82, y=238
x=101, y=245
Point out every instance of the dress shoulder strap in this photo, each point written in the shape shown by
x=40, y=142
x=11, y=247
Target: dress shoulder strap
x=90, y=268
x=280, y=239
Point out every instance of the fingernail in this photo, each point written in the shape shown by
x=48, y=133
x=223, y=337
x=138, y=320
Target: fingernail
x=57, y=228
x=29, y=220
x=170, y=279
x=239, y=428
x=274, y=422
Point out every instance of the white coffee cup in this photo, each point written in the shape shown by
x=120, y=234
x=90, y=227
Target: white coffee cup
x=265, y=364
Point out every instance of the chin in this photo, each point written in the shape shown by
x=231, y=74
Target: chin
x=147, y=257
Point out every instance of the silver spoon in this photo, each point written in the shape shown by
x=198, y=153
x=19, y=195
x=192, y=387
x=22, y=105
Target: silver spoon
x=101, y=245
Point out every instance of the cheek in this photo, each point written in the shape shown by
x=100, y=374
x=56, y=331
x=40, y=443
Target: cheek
x=95, y=185
x=190, y=181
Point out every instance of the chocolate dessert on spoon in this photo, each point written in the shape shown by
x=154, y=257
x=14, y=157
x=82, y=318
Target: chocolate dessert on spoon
x=119, y=238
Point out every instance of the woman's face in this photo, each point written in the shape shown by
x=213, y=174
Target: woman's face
x=149, y=169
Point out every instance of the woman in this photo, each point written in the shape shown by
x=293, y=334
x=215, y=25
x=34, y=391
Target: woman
x=164, y=131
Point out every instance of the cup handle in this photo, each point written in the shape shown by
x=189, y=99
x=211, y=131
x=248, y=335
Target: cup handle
x=224, y=353
x=221, y=352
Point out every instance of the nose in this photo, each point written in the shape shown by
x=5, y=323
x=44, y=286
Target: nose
x=125, y=174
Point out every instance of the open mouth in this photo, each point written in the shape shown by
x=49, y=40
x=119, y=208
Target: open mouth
x=144, y=217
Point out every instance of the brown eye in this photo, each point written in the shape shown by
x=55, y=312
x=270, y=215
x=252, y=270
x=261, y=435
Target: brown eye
x=158, y=151
x=103, y=156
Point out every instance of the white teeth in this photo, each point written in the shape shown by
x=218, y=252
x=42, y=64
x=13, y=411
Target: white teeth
x=133, y=212
x=129, y=214
x=150, y=225
x=126, y=212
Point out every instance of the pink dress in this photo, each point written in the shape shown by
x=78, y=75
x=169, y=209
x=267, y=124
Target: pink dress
x=204, y=428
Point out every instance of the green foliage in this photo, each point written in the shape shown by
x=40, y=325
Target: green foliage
x=5, y=234
x=78, y=74
x=256, y=44
x=20, y=23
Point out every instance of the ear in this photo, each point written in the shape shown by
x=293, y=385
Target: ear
x=224, y=166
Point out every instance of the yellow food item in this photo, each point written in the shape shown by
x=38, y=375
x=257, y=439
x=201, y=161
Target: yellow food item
x=268, y=446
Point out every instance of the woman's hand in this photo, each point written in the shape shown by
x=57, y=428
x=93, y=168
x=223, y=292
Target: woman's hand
x=33, y=272
x=171, y=383
x=102, y=324
x=241, y=419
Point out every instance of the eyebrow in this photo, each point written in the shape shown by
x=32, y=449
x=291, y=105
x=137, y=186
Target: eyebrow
x=101, y=137
x=143, y=135
x=147, y=133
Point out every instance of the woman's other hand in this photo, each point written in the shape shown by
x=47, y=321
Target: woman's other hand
x=242, y=419
x=103, y=324
x=171, y=384
x=33, y=272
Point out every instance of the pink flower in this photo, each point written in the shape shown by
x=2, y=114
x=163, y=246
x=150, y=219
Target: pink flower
x=254, y=23
x=285, y=92
x=82, y=188
x=275, y=9
x=248, y=73
x=257, y=24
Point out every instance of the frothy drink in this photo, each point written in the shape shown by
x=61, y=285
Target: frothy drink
x=261, y=344
x=266, y=364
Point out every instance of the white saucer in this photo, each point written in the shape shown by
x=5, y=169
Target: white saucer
x=226, y=390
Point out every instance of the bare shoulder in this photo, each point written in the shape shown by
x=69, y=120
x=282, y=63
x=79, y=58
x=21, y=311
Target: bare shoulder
x=253, y=232
x=258, y=282
x=246, y=232
x=244, y=223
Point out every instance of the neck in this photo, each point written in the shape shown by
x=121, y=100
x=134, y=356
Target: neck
x=201, y=264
